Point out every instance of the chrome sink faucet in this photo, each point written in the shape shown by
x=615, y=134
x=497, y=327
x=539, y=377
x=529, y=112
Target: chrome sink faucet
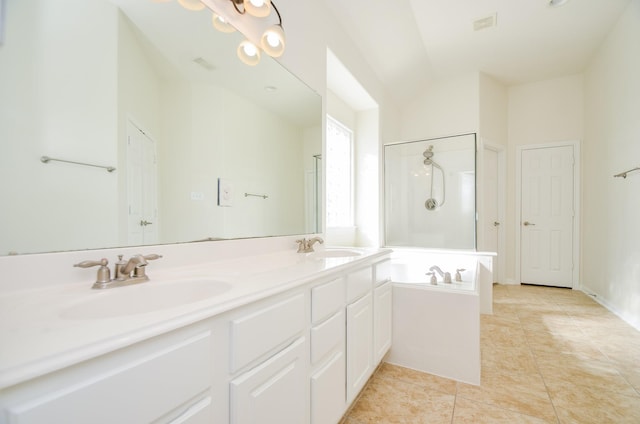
x=446, y=276
x=126, y=272
x=306, y=246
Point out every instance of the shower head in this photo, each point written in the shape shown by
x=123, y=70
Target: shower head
x=428, y=154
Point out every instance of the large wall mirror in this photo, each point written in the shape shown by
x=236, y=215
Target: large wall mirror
x=204, y=147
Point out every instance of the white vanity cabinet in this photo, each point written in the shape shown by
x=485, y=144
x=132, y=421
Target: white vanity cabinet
x=359, y=345
x=327, y=380
x=268, y=362
x=297, y=355
x=274, y=391
x=359, y=330
x=161, y=380
x=382, y=309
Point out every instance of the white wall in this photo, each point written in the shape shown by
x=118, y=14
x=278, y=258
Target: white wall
x=539, y=112
x=493, y=108
x=367, y=169
x=264, y=158
x=611, y=228
x=65, y=115
x=448, y=107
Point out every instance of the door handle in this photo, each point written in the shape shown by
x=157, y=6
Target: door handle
x=527, y=223
x=144, y=223
x=496, y=224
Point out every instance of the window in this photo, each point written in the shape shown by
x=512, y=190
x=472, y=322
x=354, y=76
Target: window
x=339, y=174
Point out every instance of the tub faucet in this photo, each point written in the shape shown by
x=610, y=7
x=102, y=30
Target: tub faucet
x=306, y=246
x=446, y=276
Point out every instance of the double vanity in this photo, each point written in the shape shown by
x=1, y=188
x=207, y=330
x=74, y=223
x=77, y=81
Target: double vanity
x=278, y=337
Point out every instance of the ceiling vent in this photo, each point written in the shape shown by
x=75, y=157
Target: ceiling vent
x=486, y=22
x=204, y=63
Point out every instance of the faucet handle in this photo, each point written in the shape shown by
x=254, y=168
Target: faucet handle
x=104, y=274
x=89, y=264
x=152, y=257
x=302, y=245
x=458, y=276
x=434, y=280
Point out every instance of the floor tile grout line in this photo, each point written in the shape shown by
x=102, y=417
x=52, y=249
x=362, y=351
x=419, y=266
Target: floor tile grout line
x=535, y=359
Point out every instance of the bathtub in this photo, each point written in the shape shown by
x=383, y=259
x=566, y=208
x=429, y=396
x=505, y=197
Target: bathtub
x=436, y=328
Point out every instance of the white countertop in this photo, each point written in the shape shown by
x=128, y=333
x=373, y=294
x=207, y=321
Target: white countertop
x=38, y=339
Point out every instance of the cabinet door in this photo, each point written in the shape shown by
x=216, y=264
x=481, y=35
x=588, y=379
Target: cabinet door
x=359, y=345
x=274, y=391
x=328, y=391
x=147, y=384
x=382, y=310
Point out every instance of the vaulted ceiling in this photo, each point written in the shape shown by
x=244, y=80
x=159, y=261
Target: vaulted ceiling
x=411, y=43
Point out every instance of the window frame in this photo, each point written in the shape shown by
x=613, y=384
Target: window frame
x=351, y=213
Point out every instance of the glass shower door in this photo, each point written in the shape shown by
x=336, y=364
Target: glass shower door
x=430, y=193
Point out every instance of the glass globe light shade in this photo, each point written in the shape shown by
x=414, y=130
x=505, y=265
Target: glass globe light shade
x=221, y=24
x=194, y=5
x=249, y=53
x=258, y=8
x=273, y=41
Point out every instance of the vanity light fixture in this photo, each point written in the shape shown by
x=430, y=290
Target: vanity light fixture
x=195, y=5
x=272, y=41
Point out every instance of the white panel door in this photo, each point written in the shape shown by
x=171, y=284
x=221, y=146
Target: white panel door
x=546, y=218
x=141, y=187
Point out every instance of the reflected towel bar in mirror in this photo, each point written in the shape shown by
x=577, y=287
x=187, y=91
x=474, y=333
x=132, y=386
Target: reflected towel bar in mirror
x=264, y=196
x=624, y=174
x=46, y=159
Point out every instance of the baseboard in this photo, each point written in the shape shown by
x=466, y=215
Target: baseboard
x=511, y=282
x=632, y=321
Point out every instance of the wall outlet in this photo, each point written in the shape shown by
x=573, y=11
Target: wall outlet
x=197, y=195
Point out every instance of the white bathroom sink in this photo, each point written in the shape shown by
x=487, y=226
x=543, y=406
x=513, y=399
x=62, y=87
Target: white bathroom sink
x=143, y=298
x=333, y=253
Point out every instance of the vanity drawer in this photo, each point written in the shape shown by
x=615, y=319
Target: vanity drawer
x=133, y=391
x=382, y=272
x=261, y=331
x=359, y=283
x=326, y=299
x=326, y=336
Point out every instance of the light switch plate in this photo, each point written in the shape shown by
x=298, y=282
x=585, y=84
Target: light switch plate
x=225, y=192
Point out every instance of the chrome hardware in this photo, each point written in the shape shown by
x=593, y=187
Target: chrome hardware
x=144, y=223
x=527, y=223
x=446, y=276
x=126, y=272
x=496, y=224
x=434, y=280
x=458, y=276
x=104, y=274
x=306, y=246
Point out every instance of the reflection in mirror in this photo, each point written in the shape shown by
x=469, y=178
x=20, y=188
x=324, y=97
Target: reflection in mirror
x=156, y=92
x=430, y=198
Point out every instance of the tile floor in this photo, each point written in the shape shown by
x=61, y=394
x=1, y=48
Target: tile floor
x=549, y=355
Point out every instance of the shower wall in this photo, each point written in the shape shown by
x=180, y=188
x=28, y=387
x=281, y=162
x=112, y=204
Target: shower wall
x=409, y=183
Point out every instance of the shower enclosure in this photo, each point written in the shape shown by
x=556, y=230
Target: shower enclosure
x=430, y=193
